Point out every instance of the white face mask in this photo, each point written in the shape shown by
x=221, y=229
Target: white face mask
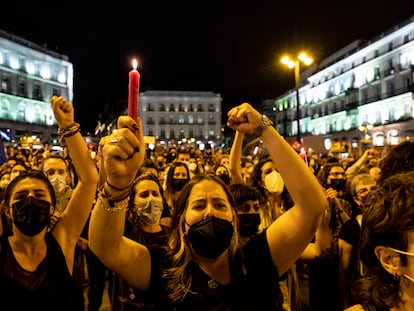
x=404, y=253
x=58, y=182
x=149, y=211
x=274, y=183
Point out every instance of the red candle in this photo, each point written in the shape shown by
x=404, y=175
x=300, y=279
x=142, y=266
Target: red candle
x=133, y=91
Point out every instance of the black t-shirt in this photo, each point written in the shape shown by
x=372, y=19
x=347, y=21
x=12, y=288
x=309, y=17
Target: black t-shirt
x=257, y=289
x=49, y=288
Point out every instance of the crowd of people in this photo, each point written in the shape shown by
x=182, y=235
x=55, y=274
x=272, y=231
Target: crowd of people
x=185, y=229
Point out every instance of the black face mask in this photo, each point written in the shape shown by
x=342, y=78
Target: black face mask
x=210, y=237
x=225, y=178
x=31, y=215
x=338, y=184
x=248, y=224
x=179, y=183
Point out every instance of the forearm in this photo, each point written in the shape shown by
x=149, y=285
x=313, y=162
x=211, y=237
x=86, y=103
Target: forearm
x=84, y=165
x=235, y=158
x=301, y=183
x=105, y=230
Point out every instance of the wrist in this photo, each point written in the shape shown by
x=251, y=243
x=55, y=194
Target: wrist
x=264, y=124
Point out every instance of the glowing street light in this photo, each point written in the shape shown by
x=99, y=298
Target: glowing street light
x=295, y=64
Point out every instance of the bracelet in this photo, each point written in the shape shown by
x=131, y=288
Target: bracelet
x=69, y=130
x=112, y=207
x=264, y=123
x=111, y=204
x=116, y=188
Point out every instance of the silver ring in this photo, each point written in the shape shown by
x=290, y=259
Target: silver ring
x=113, y=141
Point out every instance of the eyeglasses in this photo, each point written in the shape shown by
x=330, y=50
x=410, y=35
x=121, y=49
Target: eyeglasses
x=363, y=191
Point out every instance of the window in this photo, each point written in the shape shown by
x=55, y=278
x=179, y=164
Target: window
x=162, y=107
x=190, y=119
x=21, y=90
x=37, y=92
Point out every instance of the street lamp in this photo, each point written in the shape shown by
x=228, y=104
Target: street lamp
x=295, y=63
x=365, y=128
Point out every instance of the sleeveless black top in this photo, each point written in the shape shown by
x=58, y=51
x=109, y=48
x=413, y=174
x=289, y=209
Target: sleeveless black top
x=48, y=288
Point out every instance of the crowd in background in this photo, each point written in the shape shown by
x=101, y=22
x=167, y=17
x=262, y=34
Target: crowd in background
x=336, y=268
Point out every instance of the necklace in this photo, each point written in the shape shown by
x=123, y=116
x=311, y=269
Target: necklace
x=212, y=284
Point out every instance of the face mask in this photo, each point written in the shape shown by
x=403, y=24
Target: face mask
x=4, y=183
x=192, y=166
x=210, y=237
x=58, y=182
x=367, y=199
x=248, y=224
x=225, y=177
x=274, y=183
x=31, y=215
x=338, y=184
x=408, y=277
x=148, y=211
x=179, y=183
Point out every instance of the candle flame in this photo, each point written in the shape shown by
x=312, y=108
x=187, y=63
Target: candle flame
x=134, y=64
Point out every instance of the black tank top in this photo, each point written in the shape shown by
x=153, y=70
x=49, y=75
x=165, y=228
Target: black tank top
x=49, y=288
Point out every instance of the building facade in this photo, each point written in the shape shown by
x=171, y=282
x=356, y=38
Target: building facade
x=30, y=75
x=359, y=97
x=181, y=116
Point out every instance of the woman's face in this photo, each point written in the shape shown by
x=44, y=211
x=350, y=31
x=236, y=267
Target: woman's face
x=180, y=173
x=146, y=189
x=30, y=187
x=207, y=198
x=266, y=169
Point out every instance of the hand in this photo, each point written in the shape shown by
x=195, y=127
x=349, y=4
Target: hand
x=63, y=111
x=244, y=118
x=122, y=153
x=331, y=193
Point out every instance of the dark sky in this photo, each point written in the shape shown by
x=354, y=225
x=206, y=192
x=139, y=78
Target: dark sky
x=228, y=47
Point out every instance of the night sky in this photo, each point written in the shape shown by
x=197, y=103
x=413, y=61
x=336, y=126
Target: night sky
x=227, y=47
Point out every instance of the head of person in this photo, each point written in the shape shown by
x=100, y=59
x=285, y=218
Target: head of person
x=29, y=201
x=177, y=177
x=183, y=156
x=332, y=175
x=147, y=201
x=56, y=169
x=149, y=167
x=5, y=179
x=363, y=188
x=224, y=173
x=398, y=159
x=387, y=243
x=17, y=169
x=266, y=177
x=248, y=201
x=204, y=220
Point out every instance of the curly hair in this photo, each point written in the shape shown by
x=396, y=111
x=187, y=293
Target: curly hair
x=179, y=275
x=398, y=159
x=386, y=222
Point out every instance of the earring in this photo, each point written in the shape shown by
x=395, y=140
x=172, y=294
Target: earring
x=396, y=277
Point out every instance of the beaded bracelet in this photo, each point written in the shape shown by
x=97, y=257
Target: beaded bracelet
x=111, y=204
x=264, y=123
x=69, y=130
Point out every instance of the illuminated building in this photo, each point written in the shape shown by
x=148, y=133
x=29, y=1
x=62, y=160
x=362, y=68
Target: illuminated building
x=181, y=115
x=365, y=85
x=29, y=75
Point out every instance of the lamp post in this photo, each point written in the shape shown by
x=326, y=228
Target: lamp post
x=295, y=64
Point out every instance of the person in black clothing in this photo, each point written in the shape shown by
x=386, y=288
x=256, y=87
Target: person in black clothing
x=37, y=261
x=204, y=267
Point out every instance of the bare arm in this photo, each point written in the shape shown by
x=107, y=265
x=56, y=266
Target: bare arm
x=289, y=235
x=323, y=239
x=235, y=159
x=121, y=154
x=68, y=229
